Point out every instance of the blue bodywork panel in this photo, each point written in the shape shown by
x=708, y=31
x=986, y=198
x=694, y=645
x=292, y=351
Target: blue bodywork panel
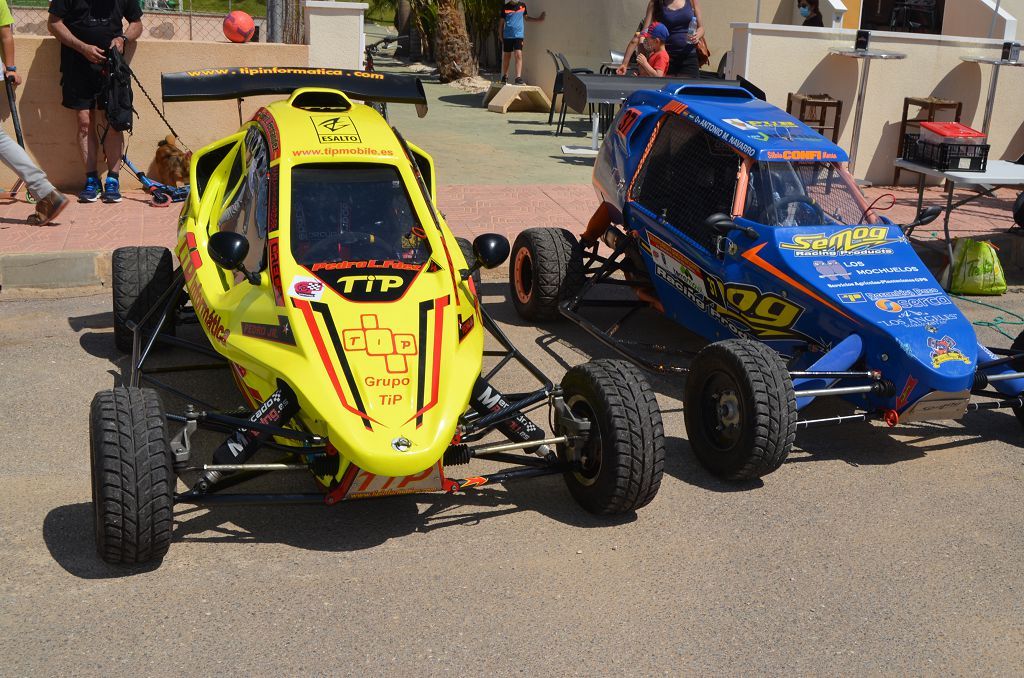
x=828, y=297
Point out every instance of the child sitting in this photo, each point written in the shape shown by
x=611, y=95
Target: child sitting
x=655, y=64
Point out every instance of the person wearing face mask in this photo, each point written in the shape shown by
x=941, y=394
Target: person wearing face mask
x=810, y=12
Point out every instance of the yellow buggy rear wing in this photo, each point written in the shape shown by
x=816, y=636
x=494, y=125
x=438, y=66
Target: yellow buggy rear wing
x=238, y=82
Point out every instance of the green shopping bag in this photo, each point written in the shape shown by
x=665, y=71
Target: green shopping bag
x=976, y=268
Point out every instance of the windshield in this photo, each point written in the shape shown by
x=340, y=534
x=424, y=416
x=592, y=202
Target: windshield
x=354, y=213
x=804, y=194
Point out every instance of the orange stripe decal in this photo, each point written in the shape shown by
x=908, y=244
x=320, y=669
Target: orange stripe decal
x=753, y=256
x=321, y=347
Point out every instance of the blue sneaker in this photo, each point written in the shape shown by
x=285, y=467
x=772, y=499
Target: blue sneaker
x=111, y=190
x=91, y=192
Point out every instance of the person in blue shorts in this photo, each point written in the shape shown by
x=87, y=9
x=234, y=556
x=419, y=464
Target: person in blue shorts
x=513, y=32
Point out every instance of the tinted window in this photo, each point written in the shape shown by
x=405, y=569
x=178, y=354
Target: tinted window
x=246, y=212
x=353, y=213
x=688, y=176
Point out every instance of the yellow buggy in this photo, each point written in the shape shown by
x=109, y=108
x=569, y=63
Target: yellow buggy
x=311, y=252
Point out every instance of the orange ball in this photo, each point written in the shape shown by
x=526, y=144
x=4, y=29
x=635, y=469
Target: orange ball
x=239, y=26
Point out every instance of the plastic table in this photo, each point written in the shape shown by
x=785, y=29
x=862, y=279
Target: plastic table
x=998, y=174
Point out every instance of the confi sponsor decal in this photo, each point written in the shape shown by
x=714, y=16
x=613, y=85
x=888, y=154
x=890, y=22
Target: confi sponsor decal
x=801, y=155
x=859, y=240
x=335, y=129
x=944, y=350
x=852, y=298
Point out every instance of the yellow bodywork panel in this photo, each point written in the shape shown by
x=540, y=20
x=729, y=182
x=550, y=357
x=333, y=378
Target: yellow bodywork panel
x=381, y=351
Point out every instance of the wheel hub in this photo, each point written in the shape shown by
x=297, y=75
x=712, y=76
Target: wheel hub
x=523, y=275
x=727, y=408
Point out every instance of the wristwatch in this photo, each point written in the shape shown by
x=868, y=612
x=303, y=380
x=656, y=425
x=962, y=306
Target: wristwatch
x=12, y=69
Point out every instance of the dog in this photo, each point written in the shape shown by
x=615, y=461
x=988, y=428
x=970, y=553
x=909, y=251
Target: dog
x=171, y=164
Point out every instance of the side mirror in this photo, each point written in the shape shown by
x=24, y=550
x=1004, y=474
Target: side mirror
x=491, y=250
x=228, y=250
x=928, y=215
x=723, y=223
x=720, y=223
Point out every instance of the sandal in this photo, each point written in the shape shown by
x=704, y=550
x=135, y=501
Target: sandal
x=47, y=209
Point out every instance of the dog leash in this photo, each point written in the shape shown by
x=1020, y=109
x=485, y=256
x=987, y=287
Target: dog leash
x=157, y=109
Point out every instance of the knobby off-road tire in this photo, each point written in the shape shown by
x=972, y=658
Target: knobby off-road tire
x=740, y=409
x=624, y=455
x=467, y=252
x=132, y=477
x=545, y=269
x=140, y=276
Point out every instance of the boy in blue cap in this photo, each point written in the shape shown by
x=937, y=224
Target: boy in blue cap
x=513, y=32
x=655, y=64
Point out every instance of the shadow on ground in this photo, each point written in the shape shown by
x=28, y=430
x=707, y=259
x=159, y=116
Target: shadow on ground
x=355, y=526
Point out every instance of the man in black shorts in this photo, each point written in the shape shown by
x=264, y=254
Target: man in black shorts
x=86, y=30
x=513, y=32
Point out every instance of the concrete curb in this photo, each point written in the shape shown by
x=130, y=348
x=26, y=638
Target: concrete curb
x=50, y=270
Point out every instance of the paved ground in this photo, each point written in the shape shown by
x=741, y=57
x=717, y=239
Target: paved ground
x=870, y=552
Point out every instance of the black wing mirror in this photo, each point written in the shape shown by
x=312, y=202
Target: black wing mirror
x=925, y=217
x=491, y=250
x=723, y=223
x=928, y=215
x=229, y=249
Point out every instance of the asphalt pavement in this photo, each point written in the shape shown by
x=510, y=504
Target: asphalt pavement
x=872, y=551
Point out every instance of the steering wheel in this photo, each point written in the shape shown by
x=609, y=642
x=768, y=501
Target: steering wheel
x=365, y=246
x=780, y=204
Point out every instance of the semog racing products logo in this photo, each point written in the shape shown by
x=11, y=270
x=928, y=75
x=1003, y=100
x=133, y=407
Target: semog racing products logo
x=858, y=239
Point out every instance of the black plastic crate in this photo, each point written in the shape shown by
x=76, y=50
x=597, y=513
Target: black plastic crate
x=946, y=157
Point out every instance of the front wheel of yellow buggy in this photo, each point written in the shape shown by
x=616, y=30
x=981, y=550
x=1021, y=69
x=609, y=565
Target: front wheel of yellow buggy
x=616, y=467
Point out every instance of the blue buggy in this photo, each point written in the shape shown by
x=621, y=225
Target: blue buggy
x=741, y=223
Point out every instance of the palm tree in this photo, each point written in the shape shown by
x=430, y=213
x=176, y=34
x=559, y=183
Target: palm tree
x=454, y=53
x=442, y=25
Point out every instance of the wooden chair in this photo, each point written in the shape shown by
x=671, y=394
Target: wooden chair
x=815, y=110
x=928, y=108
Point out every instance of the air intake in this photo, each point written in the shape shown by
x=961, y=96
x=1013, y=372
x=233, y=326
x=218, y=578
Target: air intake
x=320, y=100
